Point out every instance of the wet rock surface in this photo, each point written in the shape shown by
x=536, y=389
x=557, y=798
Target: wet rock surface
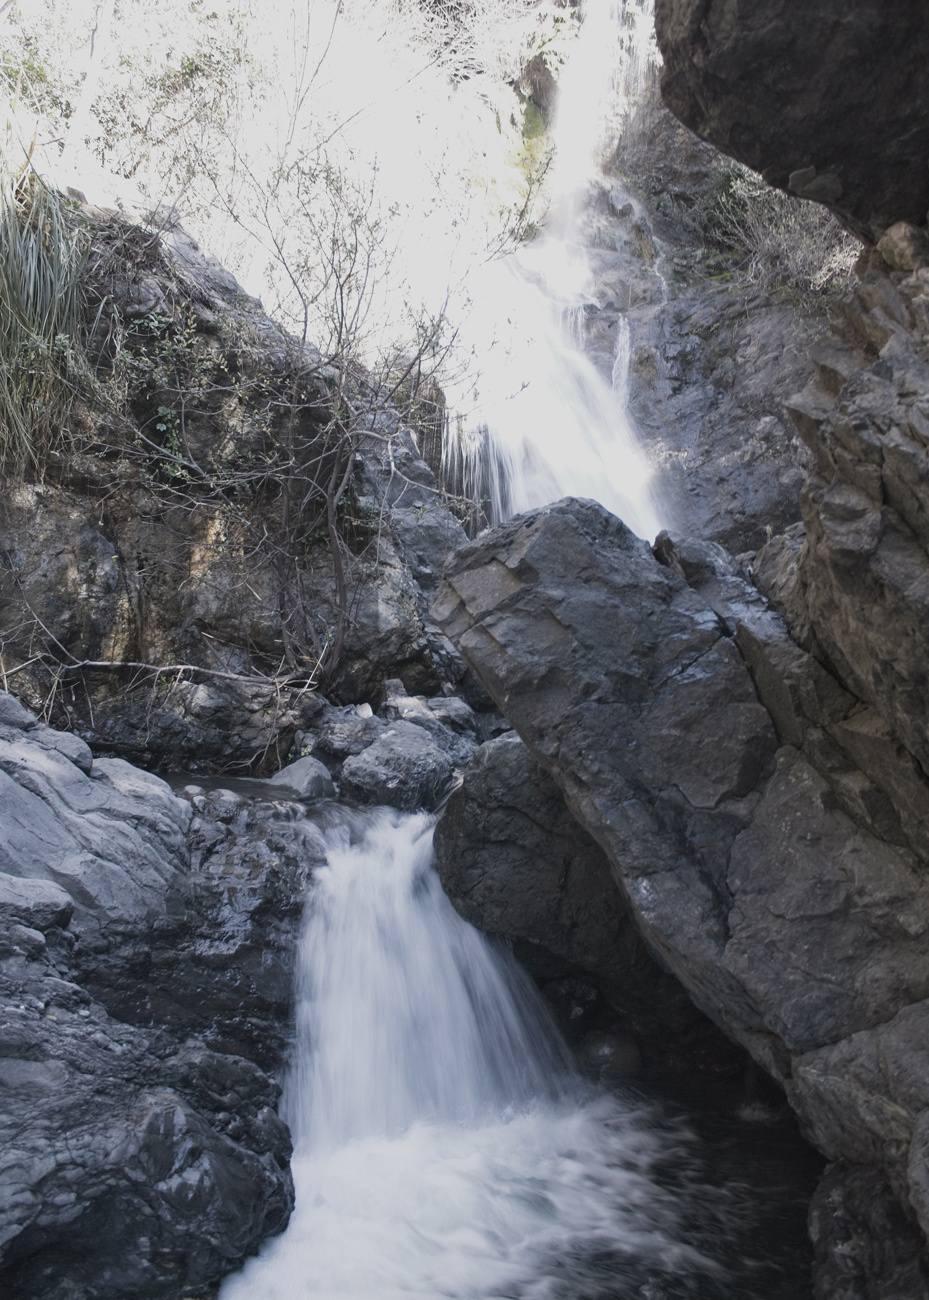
x=406, y=755
x=800, y=95
x=136, y=1159
x=863, y=573
x=147, y=949
x=515, y=863
x=708, y=372
x=174, y=1167
x=702, y=356
x=770, y=855
x=621, y=680
x=865, y=1245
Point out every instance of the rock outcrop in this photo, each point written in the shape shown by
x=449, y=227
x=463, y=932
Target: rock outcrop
x=862, y=582
x=137, y=1160
x=759, y=846
x=697, y=351
x=801, y=94
x=159, y=534
x=516, y=863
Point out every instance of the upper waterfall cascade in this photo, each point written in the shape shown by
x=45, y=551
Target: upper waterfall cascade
x=534, y=420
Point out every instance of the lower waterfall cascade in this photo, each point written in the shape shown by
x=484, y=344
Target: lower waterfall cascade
x=444, y=1145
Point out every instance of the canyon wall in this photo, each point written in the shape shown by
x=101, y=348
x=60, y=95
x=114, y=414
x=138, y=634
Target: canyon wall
x=744, y=739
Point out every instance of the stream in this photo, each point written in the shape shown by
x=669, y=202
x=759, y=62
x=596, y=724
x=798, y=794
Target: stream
x=446, y=1147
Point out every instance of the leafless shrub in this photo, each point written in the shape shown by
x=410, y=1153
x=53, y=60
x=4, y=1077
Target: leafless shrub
x=782, y=242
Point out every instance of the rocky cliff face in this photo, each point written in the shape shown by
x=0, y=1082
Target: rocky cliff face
x=184, y=527
x=755, y=836
x=774, y=858
x=749, y=761
x=703, y=357
x=863, y=580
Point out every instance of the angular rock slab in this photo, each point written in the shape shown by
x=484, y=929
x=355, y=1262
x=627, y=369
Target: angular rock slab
x=751, y=866
x=790, y=924
x=829, y=926
x=624, y=685
x=514, y=862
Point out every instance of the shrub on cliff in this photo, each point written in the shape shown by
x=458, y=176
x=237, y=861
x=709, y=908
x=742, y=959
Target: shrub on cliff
x=782, y=242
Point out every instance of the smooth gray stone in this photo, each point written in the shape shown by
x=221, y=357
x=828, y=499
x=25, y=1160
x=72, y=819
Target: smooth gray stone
x=307, y=777
x=39, y=903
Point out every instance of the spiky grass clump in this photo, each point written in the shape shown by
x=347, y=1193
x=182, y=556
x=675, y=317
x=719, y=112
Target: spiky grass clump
x=43, y=251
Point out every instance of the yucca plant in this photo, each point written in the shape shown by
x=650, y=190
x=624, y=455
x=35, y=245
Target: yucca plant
x=43, y=251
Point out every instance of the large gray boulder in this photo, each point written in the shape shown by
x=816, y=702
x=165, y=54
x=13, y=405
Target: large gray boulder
x=306, y=777
x=622, y=683
x=406, y=767
x=111, y=836
x=515, y=862
x=829, y=101
x=128, y=1188
x=406, y=755
x=769, y=868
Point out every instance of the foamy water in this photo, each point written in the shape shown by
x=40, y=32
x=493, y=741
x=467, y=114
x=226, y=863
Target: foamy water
x=444, y=1147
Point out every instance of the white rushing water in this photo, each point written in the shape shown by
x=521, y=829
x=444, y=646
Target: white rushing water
x=443, y=1147
x=533, y=420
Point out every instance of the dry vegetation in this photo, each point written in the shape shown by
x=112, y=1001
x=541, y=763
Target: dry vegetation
x=780, y=242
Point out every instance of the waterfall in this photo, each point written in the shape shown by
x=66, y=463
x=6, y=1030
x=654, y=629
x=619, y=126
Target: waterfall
x=407, y=1013
x=621, y=359
x=534, y=420
x=443, y=1148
